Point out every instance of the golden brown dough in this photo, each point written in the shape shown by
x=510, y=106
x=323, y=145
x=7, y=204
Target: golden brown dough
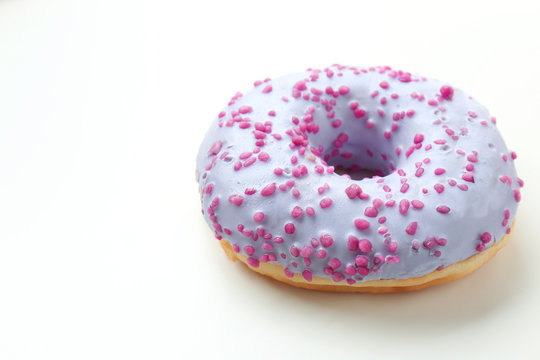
x=452, y=272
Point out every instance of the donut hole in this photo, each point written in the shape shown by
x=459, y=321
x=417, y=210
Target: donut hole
x=359, y=161
x=354, y=173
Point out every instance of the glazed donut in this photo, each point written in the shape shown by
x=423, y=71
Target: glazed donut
x=357, y=179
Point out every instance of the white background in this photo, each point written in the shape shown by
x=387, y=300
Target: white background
x=104, y=253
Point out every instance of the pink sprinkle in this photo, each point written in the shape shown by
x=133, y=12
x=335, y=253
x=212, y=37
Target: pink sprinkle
x=473, y=158
x=384, y=85
x=306, y=251
x=307, y=275
x=343, y=90
x=249, y=161
x=439, y=188
x=463, y=187
x=411, y=228
x=404, y=188
x=215, y=148
x=405, y=78
x=485, y=237
x=350, y=270
x=352, y=243
x=263, y=156
x=289, y=228
x=409, y=151
x=334, y=263
x=441, y=241
x=443, y=209
x=326, y=240
x=326, y=202
x=361, y=224
x=336, y=123
x=517, y=195
x=361, y=260
x=404, y=206
x=418, y=138
x=288, y=273
x=447, y=92
x=245, y=109
x=252, y=262
x=319, y=169
x=309, y=210
x=258, y=216
x=296, y=211
x=236, y=199
x=363, y=270
x=353, y=191
x=267, y=89
x=480, y=247
x=249, y=250
x=505, y=179
x=468, y=176
x=417, y=204
x=439, y=171
x=392, y=246
x=259, y=134
x=268, y=189
x=337, y=276
x=359, y=113
x=298, y=140
x=371, y=212
x=429, y=242
x=364, y=245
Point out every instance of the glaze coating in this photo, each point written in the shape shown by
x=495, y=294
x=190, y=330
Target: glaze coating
x=444, y=186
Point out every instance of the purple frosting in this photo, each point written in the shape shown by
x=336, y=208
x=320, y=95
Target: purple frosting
x=275, y=167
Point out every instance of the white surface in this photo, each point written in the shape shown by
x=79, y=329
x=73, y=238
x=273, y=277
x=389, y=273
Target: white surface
x=103, y=251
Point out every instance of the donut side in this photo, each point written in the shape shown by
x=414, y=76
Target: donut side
x=447, y=274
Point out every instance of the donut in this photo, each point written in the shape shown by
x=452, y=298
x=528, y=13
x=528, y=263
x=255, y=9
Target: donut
x=357, y=179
